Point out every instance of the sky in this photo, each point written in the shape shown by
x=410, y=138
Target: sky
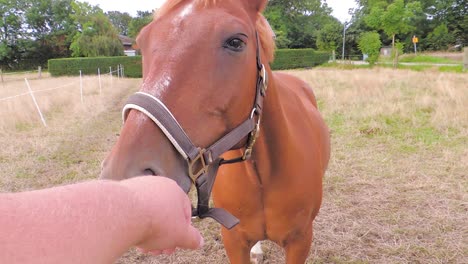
x=340, y=7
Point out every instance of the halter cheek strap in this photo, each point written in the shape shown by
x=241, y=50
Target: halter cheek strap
x=203, y=164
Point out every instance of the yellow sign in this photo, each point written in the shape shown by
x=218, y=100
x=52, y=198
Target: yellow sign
x=415, y=39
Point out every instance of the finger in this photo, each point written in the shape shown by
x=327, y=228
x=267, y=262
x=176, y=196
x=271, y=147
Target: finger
x=155, y=252
x=192, y=239
x=141, y=250
x=187, y=209
x=168, y=251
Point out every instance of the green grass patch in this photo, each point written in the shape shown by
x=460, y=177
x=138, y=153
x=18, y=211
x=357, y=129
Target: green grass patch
x=22, y=174
x=320, y=103
x=385, y=59
x=404, y=134
x=418, y=68
x=42, y=159
x=69, y=176
x=24, y=127
x=426, y=59
x=336, y=122
x=454, y=69
x=407, y=149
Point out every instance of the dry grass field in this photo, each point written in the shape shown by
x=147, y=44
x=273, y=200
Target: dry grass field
x=395, y=192
x=77, y=135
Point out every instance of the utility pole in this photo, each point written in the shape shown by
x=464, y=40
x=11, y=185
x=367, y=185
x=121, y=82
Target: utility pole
x=344, y=40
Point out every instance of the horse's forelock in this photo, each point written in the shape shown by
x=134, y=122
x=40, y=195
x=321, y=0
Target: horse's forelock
x=169, y=5
x=263, y=28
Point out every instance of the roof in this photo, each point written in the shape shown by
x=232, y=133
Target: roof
x=126, y=41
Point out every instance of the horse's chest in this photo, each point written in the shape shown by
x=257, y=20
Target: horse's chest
x=269, y=207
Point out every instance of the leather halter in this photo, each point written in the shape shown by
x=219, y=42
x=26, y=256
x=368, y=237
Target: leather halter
x=203, y=163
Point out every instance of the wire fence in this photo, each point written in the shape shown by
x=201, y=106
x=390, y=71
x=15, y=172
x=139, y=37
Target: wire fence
x=19, y=76
x=26, y=77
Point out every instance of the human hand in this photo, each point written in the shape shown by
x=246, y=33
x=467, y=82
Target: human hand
x=169, y=212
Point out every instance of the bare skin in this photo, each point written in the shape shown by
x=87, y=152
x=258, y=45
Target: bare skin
x=96, y=222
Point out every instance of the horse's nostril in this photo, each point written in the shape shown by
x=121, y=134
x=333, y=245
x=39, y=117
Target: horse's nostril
x=149, y=172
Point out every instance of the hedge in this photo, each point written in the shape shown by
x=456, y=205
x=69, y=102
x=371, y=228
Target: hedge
x=284, y=59
x=298, y=58
x=72, y=66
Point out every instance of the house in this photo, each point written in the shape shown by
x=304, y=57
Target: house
x=386, y=51
x=129, y=47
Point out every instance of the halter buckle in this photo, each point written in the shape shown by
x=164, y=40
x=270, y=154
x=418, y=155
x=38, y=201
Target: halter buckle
x=197, y=166
x=252, y=139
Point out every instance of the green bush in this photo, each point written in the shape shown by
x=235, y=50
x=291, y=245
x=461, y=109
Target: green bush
x=369, y=43
x=298, y=58
x=285, y=59
x=71, y=67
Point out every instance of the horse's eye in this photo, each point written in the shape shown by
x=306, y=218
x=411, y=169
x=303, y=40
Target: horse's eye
x=235, y=44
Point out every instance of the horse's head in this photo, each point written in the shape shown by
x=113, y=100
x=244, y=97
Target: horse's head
x=200, y=62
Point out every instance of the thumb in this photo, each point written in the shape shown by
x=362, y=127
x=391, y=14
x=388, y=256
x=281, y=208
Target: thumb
x=192, y=239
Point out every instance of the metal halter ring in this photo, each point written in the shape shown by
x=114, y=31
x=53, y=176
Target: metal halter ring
x=254, y=111
x=263, y=74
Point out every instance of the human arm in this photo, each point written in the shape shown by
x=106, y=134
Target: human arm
x=95, y=222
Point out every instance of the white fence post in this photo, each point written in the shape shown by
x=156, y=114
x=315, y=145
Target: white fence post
x=35, y=102
x=39, y=70
x=123, y=71
x=112, y=83
x=99, y=77
x=81, y=87
x=465, y=58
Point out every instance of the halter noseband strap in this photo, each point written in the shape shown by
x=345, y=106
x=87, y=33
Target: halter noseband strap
x=203, y=164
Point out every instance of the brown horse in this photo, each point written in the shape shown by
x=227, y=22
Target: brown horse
x=202, y=63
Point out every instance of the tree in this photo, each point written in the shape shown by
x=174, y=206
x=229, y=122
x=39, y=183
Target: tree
x=370, y=44
x=11, y=29
x=453, y=13
x=142, y=19
x=329, y=37
x=440, y=38
x=297, y=23
x=393, y=20
x=97, y=36
x=274, y=17
x=51, y=28
x=121, y=21
x=424, y=21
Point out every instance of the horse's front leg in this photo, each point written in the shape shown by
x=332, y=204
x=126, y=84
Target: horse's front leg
x=297, y=248
x=237, y=247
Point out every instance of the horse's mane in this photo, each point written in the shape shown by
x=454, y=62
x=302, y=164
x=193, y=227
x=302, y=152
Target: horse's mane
x=264, y=30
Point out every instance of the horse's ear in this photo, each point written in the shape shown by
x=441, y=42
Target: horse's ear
x=256, y=5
